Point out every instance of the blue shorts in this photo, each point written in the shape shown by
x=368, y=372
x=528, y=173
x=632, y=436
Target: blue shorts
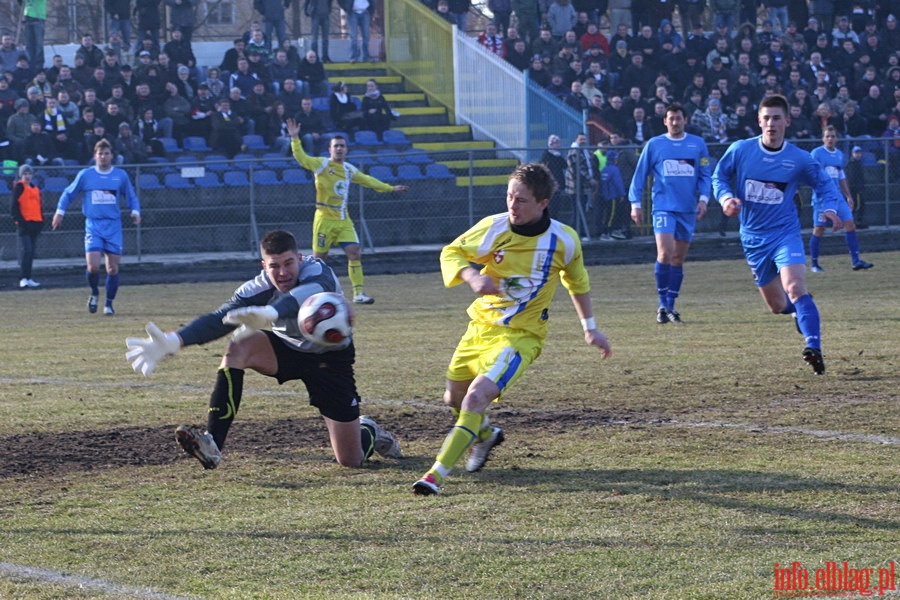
x=103, y=235
x=681, y=224
x=820, y=220
x=766, y=256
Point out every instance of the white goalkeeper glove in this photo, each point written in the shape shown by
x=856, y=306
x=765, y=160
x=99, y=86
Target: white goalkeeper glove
x=144, y=353
x=251, y=317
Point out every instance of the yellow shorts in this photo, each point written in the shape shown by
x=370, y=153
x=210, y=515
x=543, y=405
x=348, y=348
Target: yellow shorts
x=499, y=353
x=328, y=233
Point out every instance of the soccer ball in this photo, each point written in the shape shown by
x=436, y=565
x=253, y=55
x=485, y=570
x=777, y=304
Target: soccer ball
x=325, y=319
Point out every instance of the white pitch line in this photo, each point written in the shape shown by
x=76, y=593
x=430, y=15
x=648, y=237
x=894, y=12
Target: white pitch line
x=89, y=583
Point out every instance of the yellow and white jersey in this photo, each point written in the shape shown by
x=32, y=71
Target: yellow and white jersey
x=333, y=182
x=527, y=269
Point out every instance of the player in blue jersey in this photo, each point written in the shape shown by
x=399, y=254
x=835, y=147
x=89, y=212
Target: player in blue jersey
x=829, y=156
x=766, y=172
x=101, y=187
x=679, y=164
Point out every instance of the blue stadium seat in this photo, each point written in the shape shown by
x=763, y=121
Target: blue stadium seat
x=244, y=161
x=389, y=156
x=298, y=176
x=438, y=171
x=265, y=177
x=395, y=137
x=383, y=173
x=409, y=172
x=170, y=145
x=195, y=143
x=236, y=178
x=365, y=137
x=184, y=161
x=417, y=156
x=217, y=162
x=868, y=159
x=55, y=184
x=321, y=104
x=276, y=160
x=209, y=180
x=176, y=181
x=148, y=181
x=255, y=142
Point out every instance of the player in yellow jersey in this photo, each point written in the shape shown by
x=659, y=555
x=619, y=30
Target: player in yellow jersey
x=332, y=225
x=523, y=254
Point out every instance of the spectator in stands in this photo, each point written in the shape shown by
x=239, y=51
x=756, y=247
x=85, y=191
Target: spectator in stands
x=319, y=13
x=575, y=98
x=800, y=127
x=149, y=23
x=258, y=44
x=517, y=55
x=502, y=11
x=260, y=105
x=130, y=148
x=240, y=106
x=293, y=55
x=443, y=11
x=843, y=31
x=91, y=54
x=39, y=149
x=312, y=127
x=545, y=43
x=290, y=96
x=875, y=109
x=36, y=104
x=854, y=125
x=376, y=113
x=55, y=125
x=97, y=134
x=538, y=73
x=637, y=75
x=67, y=108
x=177, y=108
x=144, y=99
x=64, y=81
x=581, y=173
x=639, y=129
x=213, y=82
x=560, y=17
x=359, y=16
x=311, y=73
x=553, y=159
x=279, y=70
x=149, y=129
x=83, y=128
x=276, y=134
x=273, y=16
x=80, y=71
x=647, y=45
x=18, y=126
x=202, y=107
x=243, y=79
x=180, y=51
x=125, y=107
x=711, y=123
x=98, y=83
x=226, y=133
x=345, y=116
x=181, y=16
x=22, y=75
x=113, y=117
x=230, y=59
x=557, y=86
x=491, y=41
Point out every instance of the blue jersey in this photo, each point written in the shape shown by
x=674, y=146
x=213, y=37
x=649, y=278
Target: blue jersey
x=680, y=169
x=100, y=194
x=766, y=182
x=833, y=161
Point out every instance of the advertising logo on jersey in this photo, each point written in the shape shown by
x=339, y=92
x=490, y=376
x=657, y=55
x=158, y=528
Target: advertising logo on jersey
x=499, y=255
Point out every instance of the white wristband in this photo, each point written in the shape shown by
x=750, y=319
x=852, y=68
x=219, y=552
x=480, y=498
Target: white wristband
x=588, y=324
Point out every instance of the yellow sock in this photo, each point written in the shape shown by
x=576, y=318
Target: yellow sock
x=464, y=433
x=486, y=429
x=355, y=271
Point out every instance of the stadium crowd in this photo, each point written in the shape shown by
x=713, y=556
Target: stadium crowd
x=838, y=63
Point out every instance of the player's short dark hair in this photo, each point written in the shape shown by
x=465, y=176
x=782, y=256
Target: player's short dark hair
x=278, y=242
x=775, y=101
x=675, y=107
x=537, y=178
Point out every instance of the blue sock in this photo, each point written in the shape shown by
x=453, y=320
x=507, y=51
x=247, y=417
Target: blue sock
x=676, y=276
x=93, y=280
x=789, y=308
x=662, y=272
x=853, y=246
x=814, y=242
x=808, y=321
x=112, y=287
